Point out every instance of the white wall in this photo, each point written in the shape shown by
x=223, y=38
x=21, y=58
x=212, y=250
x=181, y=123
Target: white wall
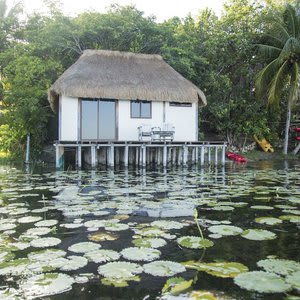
x=128, y=127
x=185, y=121
x=183, y=118
x=68, y=118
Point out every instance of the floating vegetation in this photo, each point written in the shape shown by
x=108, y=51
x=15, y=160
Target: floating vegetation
x=258, y=234
x=167, y=225
x=15, y=267
x=6, y=256
x=149, y=242
x=45, y=242
x=46, y=285
x=194, y=242
x=37, y=231
x=29, y=219
x=176, y=286
x=294, y=280
x=84, y=247
x=140, y=254
x=262, y=282
x=120, y=270
x=46, y=255
x=219, y=269
x=102, y=236
x=225, y=230
x=261, y=207
x=279, y=266
x=73, y=263
x=268, y=220
x=163, y=268
x=46, y=223
x=101, y=255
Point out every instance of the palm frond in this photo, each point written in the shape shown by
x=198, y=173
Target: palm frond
x=291, y=20
x=295, y=80
x=264, y=77
x=291, y=48
x=277, y=84
x=269, y=51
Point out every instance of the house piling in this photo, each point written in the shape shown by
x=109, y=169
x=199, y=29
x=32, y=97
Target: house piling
x=143, y=154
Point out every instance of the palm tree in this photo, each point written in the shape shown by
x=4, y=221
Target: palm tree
x=281, y=75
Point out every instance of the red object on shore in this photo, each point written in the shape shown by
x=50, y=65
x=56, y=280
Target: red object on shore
x=297, y=129
x=236, y=157
x=297, y=138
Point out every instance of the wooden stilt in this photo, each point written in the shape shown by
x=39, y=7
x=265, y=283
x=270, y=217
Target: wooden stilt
x=93, y=156
x=202, y=149
x=59, y=150
x=223, y=154
x=193, y=155
x=209, y=155
x=111, y=162
x=196, y=155
x=136, y=156
x=216, y=155
x=165, y=155
x=144, y=156
x=79, y=156
x=126, y=156
x=174, y=156
x=179, y=156
x=185, y=155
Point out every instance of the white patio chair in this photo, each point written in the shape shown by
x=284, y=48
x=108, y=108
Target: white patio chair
x=167, y=131
x=144, y=132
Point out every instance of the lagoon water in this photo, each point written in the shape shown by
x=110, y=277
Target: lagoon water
x=110, y=226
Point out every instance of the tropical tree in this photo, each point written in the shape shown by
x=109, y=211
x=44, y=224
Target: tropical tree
x=279, y=79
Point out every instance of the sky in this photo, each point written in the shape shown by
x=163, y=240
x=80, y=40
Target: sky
x=162, y=9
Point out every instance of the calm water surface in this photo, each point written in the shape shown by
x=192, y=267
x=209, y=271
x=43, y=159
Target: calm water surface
x=234, y=195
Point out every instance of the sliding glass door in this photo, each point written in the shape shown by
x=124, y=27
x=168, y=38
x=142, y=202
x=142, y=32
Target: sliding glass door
x=98, y=119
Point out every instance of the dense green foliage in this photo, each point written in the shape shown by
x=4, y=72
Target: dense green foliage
x=218, y=54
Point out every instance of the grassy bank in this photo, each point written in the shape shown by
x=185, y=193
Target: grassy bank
x=257, y=155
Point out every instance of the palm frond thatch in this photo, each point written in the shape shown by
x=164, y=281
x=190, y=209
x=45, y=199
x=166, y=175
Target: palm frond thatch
x=124, y=75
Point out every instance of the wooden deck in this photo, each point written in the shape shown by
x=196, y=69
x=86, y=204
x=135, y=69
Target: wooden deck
x=142, y=153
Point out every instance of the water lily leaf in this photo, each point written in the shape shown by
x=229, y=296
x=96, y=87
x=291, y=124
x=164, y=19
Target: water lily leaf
x=74, y=263
x=262, y=282
x=225, y=230
x=219, y=269
x=139, y=254
x=291, y=218
x=46, y=285
x=149, y=242
x=6, y=256
x=167, y=225
x=99, y=256
x=32, y=232
x=14, y=267
x=121, y=270
x=268, y=220
x=262, y=207
x=163, y=268
x=119, y=282
x=176, y=286
x=194, y=242
x=29, y=219
x=46, y=223
x=45, y=242
x=84, y=247
x=46, y=255
x=258, y=234
x=294, y=280
x=279, y=266
x=102, y=236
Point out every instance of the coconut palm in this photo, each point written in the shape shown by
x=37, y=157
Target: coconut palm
x=281, y=75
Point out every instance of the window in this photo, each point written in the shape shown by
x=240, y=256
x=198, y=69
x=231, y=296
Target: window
x=141, y=109
x=181, y=104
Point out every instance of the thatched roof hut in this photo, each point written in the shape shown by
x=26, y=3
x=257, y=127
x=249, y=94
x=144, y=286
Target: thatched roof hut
x=124, y=75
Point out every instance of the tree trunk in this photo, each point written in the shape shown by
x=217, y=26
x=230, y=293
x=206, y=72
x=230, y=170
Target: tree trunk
x=287, y=124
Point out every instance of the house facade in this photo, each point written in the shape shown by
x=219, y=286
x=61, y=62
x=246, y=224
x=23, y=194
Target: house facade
x=110, y=95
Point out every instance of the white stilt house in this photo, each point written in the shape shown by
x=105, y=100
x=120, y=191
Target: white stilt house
x=112, y=96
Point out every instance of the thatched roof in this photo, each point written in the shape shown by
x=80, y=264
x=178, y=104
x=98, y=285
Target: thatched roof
x=124, y=75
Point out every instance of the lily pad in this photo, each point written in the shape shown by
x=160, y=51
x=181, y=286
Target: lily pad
x=29, y=219
x=219, y=269
x=294, y=280
x=46, y=285
x=225, y=230
x=120, y=270
x=262, y=282
x=45, y=242
x=176, y=286
x=194, y=242
x=84, y=247
x=99, y=256
x=149, y=242
x=167, y=225
x=46, y=255
x=15, y=267
x=119, y=282
x=279, y=266
x=258, y=234
x=163, y=268
x=46, y=223
x=102, y=236
x=140, y=254
x=268, y=220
